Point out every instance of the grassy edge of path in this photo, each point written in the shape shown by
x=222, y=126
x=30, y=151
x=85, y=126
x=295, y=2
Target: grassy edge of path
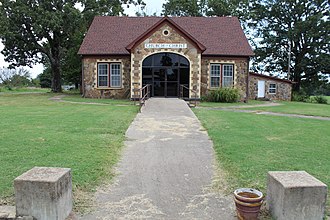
x=247, y=146
x=41, y=132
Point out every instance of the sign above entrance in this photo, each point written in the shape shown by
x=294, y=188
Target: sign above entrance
x=167, y=46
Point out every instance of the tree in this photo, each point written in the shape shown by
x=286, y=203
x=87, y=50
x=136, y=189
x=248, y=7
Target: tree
x=184, y=7
x=15, y=77
x=35, y=31
x=206, y=8
x=298, y=30
x=45, y=78
x=228, y=8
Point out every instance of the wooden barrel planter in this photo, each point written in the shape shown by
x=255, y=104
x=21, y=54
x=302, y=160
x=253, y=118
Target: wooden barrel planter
x=248, y=202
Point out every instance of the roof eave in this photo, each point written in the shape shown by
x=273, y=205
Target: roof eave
x=272, y=77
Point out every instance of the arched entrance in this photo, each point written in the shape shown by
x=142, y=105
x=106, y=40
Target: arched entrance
x=165, y=72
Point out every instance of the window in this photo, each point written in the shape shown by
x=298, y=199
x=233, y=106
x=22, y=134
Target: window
x=228, y=73
x=215, y=75
x=115, y=75
x=221, y=74
x=103, y=77
x=272, y=88
x=109, y=75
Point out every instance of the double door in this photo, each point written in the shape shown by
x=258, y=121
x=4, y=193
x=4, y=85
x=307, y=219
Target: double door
x=165, y=81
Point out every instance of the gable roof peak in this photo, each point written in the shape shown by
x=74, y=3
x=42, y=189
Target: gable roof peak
x=164, y=19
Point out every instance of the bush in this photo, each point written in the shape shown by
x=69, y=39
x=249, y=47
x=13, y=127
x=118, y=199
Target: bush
x=223, y=95
x=300, y=97
x=320, y=100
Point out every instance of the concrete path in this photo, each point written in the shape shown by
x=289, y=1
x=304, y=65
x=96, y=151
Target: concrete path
x=166, y=170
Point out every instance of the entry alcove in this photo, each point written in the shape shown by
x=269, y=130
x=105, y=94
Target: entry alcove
x=165, y=72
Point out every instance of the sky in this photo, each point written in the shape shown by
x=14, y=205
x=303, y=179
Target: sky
x=152, y=6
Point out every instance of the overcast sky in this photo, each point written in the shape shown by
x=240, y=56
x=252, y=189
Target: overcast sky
x=152, y=7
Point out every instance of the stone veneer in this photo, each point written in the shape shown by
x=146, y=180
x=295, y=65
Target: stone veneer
x=139, y=53
x=283, y=88
x=240, y=73
x=90, y=89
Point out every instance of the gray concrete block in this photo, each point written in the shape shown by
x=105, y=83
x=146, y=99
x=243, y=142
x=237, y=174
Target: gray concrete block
x=293, y=195
x=7, y=213
x=44, y=193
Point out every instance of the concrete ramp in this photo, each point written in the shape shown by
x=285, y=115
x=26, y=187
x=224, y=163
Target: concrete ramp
x=166, y=169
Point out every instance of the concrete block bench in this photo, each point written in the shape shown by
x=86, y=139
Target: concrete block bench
x=293, y=195
x=44, y=193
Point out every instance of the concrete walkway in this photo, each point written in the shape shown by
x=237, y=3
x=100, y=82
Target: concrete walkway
x=166, y=170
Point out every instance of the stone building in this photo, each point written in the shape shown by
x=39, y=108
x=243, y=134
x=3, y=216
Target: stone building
x=268, y=87
x=176, y=56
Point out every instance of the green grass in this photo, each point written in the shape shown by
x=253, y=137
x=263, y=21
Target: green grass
x=78, y=98
x=249, y=145
x=38, y=132
x=220, y=104
x=299, y=108
x=23, y=89
x=328, y=98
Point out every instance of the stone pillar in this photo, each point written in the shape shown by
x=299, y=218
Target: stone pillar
x=44, y=193
x=293, y=195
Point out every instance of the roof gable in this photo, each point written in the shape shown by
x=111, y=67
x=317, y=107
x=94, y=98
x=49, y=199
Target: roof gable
x=171, y=23
x=221, y=36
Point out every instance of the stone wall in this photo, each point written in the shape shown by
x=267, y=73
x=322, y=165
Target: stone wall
x=139, y=53
x=240, y=73
x=283, y=88
x=90, y=89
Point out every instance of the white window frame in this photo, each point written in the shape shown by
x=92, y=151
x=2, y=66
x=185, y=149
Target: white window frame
x=118, y=74
x=212, y=76
x=224, y=77
x=102, y=75
x=270, y=89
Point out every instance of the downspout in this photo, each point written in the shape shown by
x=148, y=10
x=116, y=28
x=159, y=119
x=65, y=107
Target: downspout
x=247, y=81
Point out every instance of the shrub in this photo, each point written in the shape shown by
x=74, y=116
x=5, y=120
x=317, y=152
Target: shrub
x=320, y=100
x=300, y=97
x=223, y=95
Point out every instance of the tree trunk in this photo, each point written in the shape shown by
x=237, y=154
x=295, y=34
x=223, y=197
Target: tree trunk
x=56, y=80
x=55, y=64
x=296, y=79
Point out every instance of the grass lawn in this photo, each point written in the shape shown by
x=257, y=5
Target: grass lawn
x=249, y=145
x=220, y=104
x=78, y=98
x=328, y=98
x=23, y=89
x=38, y=132
x=299, y=108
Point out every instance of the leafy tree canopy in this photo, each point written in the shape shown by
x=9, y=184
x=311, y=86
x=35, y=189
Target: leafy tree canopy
x=34, y=31
x=205, y=8
x=300, y=29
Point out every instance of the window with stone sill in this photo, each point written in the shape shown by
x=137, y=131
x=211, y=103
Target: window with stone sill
x=109, y=75
x=215, y=75
x=228, y=75
x=272, y=88
x=221, y=75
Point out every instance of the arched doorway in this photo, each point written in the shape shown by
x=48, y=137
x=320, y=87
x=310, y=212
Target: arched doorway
x=165, y=72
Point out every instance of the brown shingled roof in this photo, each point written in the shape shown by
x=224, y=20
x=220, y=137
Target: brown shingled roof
x=271, y=77
x=220, y=35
